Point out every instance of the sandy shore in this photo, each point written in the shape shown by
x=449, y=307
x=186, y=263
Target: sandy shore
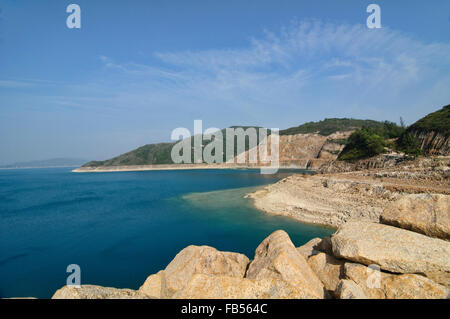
x=167, y=167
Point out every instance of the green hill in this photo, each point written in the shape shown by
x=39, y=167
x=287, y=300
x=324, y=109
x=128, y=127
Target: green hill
x=161, y=153
x=428, y=136
x=438, y=121
x=332, y=125
x=145, y=155
x=152, y=154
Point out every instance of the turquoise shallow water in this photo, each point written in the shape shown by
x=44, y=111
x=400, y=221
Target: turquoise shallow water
x=122, y=227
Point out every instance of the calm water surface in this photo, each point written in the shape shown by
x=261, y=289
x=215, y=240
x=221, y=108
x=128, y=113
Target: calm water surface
x=121, y=227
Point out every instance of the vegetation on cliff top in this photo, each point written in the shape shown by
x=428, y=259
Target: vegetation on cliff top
x=438, y=121
x=368, y=142
x=333, y=125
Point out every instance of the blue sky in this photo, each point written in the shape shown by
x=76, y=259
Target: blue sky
x=138, y=69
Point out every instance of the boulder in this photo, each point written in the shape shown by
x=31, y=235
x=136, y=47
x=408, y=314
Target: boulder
x=307, y=250
x=223, y=287
x=200, y=260
x=153, y=285
x=277, y=258
x=368, y=279
x=96, y=292
x=410, y=286
x=316, y=245
x=423, y=213
x=325, y=246
x=379, y=285
x=393, y=249
x=348, y=289
x=329, y=270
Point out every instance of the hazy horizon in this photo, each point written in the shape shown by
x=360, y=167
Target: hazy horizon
x=137, y=70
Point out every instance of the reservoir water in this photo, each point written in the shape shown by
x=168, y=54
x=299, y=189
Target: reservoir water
x=124, y=226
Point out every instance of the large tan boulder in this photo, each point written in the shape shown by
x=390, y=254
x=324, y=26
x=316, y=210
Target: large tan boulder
x=379, y=285
x=329, y=270
x=153, y=285
x=307, y=250
x=223, y=287
x=315, y=246
x=423, y=213
x=348, y=289
x=277, y=258
x=96, y=292
x=200, y=260
x=325, y=246
x=393, y=249
x=368, y=279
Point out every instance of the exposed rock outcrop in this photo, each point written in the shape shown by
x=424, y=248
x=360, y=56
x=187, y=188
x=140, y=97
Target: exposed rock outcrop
x=423, y=213
x=393, y=249
x=309, y=150
x=432, y=142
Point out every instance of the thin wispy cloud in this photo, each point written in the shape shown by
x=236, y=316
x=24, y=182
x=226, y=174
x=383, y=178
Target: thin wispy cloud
x=287, y=77
x=347, y=66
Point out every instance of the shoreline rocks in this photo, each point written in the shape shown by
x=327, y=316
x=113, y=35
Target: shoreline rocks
x=362, y=260
x=393, y=249
x=427, y=214
x=97, y=292
x=276, y=257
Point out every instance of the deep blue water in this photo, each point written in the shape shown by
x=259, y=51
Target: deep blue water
x=122, y=227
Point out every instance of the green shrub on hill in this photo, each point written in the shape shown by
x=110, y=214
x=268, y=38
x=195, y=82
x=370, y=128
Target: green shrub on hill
x=409, y=144
x=362, y=144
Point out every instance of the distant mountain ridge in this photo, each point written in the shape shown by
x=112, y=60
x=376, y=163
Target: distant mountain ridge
x=53, y=162
x=160, y=153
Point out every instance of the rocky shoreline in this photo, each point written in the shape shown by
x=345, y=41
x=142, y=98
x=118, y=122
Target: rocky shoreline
x=362, y=260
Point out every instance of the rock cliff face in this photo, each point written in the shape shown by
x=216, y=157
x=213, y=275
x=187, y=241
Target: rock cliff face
x=305, y=150
x=376, y=162
x=432, y=142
